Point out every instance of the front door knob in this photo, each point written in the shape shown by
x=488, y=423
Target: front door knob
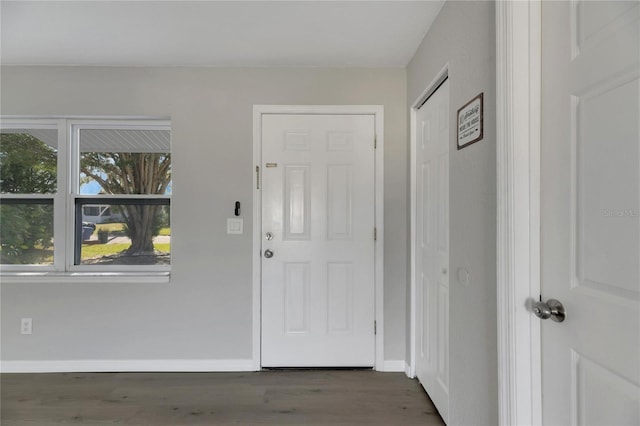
x=268, y=254
x=552, y=309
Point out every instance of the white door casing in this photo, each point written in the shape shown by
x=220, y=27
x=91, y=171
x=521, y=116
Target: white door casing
x=319, y=292
x=590, y=208
x=518, y=229
x=432, y=246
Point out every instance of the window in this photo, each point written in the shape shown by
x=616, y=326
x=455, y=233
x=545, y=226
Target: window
x=85, y=195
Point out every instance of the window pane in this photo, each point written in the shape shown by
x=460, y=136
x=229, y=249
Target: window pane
x=26, y=233
x=133, y=234
x=28, y=161
x=115, y=161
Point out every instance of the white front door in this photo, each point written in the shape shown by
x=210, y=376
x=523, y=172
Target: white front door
x=590, y=208
x=432, y=247
x=318, y=240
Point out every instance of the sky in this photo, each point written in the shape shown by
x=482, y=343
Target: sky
x=90, y=188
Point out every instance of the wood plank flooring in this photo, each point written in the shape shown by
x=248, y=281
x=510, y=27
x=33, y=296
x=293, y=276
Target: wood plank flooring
x=283, y=397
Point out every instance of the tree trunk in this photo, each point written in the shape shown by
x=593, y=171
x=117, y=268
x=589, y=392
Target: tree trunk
x=141, y=221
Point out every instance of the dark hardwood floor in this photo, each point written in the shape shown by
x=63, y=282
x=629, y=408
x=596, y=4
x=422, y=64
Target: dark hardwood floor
x=283, y=397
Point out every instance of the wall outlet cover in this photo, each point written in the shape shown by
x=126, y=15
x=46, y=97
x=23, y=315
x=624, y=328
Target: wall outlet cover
x=26, y=326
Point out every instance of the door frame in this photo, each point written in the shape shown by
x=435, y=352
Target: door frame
x=378, y=112
x=424, y=96
x=518, y=100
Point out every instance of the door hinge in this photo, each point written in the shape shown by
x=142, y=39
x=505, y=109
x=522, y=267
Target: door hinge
x=257, y=177
x=375, y=141
x=375, y=234
x=375, y=327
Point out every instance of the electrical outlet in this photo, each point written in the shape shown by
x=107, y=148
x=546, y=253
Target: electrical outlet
x=26, y=326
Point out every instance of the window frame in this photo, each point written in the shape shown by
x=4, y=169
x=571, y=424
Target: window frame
x=67, y=196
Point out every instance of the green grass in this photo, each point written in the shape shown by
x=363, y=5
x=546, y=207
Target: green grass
x=118, y=229
x=90, y=251
x=163, y=247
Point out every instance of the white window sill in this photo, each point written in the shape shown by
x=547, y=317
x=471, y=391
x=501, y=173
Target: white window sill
x=85, y=277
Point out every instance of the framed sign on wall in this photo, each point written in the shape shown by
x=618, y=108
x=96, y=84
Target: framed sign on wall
x=470, y=122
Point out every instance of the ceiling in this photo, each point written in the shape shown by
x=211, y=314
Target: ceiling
x=214, y=33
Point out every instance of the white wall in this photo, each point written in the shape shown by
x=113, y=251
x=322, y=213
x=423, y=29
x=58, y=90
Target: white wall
x=205, y=312
x=463, y=36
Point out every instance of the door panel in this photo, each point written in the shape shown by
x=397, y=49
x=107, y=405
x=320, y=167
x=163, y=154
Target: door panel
x=340, y=298
x=296, y=297
x=297, y=202
x=432, y=247
x=318, y=204
x=339, y=208
x=590, y=196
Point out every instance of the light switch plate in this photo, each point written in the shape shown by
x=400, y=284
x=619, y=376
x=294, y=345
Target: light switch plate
x=234, y=226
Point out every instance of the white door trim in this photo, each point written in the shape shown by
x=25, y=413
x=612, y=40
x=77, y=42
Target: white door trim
x=518, y=64
x=428, y=91
x=378, y=112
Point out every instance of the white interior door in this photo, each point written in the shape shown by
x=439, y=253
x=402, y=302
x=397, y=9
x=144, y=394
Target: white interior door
x=590, y=212
x=318, y=289
x=432, y=247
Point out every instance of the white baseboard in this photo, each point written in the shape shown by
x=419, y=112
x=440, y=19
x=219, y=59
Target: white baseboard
x=153, y=365
x=138, y=365
x=407, y=371
x=393, y=366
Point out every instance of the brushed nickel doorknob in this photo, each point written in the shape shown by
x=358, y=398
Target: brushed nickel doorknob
x=551, y=309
